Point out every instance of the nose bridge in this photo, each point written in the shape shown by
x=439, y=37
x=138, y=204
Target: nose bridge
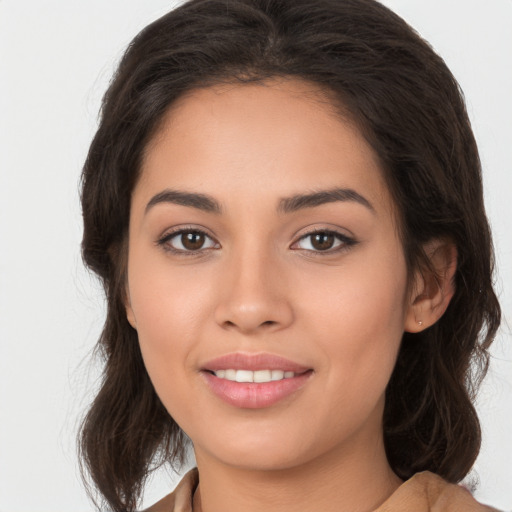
x=254, y=294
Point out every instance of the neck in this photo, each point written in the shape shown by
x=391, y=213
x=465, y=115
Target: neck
x=345, y=479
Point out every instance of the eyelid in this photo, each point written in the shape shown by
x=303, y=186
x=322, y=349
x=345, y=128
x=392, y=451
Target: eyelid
x=347, y=241
x=163, y=240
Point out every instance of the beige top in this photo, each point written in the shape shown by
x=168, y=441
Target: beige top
x=424, y=492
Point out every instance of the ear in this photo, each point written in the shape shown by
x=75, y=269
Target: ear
x=129, y=311
x=433, y=287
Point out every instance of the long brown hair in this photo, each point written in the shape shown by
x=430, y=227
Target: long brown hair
x=408, y=105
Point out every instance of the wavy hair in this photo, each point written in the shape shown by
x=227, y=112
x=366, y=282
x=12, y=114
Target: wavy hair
x=408, y=105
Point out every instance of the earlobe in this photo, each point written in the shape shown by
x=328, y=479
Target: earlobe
x=131, y=317
x=129, y=311
x=433, y=287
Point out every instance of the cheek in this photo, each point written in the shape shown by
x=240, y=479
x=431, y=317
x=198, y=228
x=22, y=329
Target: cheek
x=364, y=295
x=166, y=300
x=169, y=309
x=357, y=317
x=168, y=312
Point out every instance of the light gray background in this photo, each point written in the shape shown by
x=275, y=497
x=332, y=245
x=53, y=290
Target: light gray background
x=56, y=58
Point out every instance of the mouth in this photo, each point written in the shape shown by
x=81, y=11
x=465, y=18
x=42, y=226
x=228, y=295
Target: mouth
x=258, y=376
x=254, y=381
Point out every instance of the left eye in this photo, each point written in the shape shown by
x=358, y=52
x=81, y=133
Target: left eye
x=188, y=241
x=322, y=241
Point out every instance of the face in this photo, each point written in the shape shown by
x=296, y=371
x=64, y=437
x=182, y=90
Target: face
x=263, y=247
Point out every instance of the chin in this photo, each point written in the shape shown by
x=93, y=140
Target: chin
x=263, y=452
x=261, y=460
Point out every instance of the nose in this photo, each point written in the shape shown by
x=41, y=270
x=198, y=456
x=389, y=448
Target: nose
x=253, y=295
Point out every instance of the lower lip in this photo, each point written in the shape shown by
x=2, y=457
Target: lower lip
x=251, y=395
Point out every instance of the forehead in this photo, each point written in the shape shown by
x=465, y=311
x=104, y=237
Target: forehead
x=285, y=135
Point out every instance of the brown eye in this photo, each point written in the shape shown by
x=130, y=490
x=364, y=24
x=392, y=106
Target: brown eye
x=187, y=241
x=322, y=241
x=192, y=240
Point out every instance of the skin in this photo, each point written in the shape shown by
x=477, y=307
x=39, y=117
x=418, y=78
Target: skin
x=259, y=285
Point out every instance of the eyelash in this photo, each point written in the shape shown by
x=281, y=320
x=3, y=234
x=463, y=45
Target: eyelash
x=346, y=242
x=164, y=242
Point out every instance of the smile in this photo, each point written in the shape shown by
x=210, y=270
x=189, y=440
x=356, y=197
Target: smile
x=258, y=376
x=254, y=381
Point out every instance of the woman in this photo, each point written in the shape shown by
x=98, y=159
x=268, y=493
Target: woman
x=287, y=216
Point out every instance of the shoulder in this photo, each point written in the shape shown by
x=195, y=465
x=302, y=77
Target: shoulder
x=446, y=496
x=427, y=492
x=166, y=504
x=180, y=500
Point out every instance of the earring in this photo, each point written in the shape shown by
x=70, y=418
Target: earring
x=420, y=322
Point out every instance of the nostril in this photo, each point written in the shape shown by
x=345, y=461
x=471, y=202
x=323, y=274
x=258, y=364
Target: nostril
x=248, y=316
x=229, y=324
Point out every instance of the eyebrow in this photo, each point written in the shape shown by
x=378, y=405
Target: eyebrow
x=192, y=199
x=286, y=205
x=300, y=201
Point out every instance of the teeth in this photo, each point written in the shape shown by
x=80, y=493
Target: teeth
x=230, y=374
x=244, y=376
x=262, y=376
x=277, y=375
x=250, y=376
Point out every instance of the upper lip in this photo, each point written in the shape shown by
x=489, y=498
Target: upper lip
x=253, y=362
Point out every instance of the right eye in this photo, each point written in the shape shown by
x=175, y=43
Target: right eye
x=189, y=241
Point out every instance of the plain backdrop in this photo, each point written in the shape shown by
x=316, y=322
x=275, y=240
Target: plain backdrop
x=56, y=58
